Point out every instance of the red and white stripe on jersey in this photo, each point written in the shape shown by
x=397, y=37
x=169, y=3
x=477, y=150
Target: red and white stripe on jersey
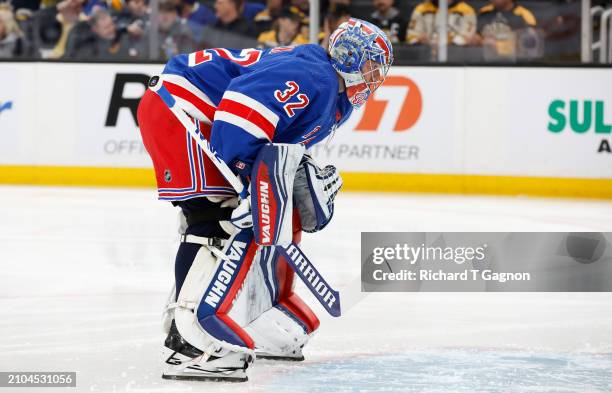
x=191, y=99
x=246, y=57
x=248, y=114
x=205, y=178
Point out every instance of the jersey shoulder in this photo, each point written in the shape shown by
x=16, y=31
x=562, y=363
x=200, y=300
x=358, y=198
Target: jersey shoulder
x=425, y=7
x=176, y=64
x=487, y=9
x=462, y=8
x=295, y=89
x=307, y=65
x=267, y=36
x=525, y=14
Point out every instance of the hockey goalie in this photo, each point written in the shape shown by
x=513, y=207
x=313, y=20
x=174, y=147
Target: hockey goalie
x=259, y=111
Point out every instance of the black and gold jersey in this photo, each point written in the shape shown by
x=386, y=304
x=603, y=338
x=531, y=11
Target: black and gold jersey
x=492, y=21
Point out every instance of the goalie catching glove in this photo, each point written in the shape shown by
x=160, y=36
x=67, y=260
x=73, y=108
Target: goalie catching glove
x=281, y=177
x=314, y=191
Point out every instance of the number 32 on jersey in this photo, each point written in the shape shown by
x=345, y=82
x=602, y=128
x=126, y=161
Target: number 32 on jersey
x=285, y=95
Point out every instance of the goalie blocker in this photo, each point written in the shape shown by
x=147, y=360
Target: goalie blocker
x=278, y=182
x=272, y=193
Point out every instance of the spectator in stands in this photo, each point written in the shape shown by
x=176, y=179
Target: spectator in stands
x=25, y=20
x=61, y=19
x=48, y=3
x=45, y=30
x=343, y=4
x=304, y=7
x=251, y=9
x=335, y=8
x=230, y=18
x=389, y=19
x=133, y=18
x=24, y=10
x=461, y=23
x=197, y=15
x=264, y=20
x=333, y=19
x=498, y=25
x=507, y=13
x=25, y=4
x=174, y=35
x=97, y=39
x=12, y=43
x=91, y=6
x=132, y=11
x=286, y=30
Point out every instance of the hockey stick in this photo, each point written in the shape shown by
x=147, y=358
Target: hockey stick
x=323, y=292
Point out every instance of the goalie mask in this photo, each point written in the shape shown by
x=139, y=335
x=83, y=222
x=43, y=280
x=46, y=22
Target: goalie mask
x=362, y=54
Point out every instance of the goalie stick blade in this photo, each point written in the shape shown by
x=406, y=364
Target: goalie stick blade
x=323, y=292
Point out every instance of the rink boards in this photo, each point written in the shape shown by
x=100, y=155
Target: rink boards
x=488, y=130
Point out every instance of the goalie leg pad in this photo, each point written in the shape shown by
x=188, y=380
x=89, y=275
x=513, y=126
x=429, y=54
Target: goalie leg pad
x=284, y=328
x=270, y=284
x=277, y=334
x=289, y=301
x=272, y=193
x=208, y=293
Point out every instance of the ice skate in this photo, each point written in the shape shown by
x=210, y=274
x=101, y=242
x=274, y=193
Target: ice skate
x=183, y=361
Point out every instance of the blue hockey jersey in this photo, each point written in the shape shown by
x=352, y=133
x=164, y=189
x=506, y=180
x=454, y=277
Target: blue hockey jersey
x=253, y=97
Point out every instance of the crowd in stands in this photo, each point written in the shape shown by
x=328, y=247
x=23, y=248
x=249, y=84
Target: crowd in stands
x=125, y=29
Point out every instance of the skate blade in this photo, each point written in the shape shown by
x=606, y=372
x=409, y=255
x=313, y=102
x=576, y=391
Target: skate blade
x=280, y=358
x=210, y=378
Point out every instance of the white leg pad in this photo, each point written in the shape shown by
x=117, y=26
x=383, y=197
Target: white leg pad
x=196, y=282
x=185, y=313
x=168, y=315
x=254, y=297
x=275, y=333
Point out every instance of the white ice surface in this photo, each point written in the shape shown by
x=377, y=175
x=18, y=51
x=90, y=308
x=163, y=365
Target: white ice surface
x=84, y=274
